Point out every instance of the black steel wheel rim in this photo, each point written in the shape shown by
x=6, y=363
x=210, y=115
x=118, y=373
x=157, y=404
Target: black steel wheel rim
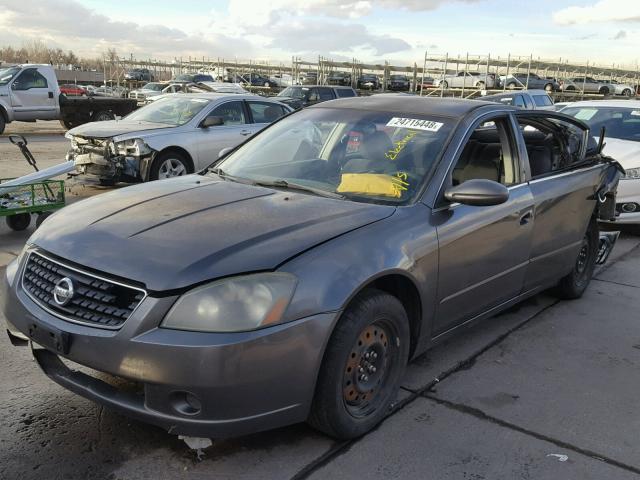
x=583, y=258
x=368, y=368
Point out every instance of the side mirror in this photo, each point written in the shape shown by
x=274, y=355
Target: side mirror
x=224, y=151
x=478, y=192
x=212, y=121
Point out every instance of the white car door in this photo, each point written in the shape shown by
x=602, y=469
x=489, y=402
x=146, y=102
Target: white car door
x=32, y=97
x=232, y=132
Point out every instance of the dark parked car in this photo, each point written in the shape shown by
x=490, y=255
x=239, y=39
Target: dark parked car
x=339, y=78
x=398, y=83
x=139, y=74
x=309, y=78
x=301, y=96
x=193, y=78
x=369, y=81
x=339, y=262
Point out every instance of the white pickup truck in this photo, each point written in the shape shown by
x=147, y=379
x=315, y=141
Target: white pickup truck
x=30, y=92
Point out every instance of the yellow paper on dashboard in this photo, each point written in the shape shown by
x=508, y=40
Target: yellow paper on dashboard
x=373, y=184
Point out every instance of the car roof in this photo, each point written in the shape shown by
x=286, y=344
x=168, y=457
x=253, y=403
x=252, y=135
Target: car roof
x=389, y=102
x=511, y=93
x=634, y=104
x=218, y=96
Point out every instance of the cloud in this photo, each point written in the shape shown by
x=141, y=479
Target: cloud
x=599, y=12
x=90, y=33
x=329, y=38
x=620, y=35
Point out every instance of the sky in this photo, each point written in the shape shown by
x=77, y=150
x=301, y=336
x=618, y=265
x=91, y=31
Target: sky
x=606, y=32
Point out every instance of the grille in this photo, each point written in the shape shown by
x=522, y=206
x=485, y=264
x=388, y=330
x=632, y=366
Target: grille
x=96, y=301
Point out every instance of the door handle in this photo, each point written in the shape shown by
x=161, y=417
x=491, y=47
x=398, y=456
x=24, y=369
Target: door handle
x=50, y=94
x=245, y=132
x=526, y=218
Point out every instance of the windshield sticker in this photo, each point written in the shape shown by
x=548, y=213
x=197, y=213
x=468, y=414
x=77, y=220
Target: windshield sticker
x=586, y=113
x=635, y=113
x=415, y=123
x=374, y=184
x=393, y=153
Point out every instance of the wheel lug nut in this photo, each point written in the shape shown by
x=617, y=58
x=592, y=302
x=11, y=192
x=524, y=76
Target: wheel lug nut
x=365, y=379
x=374, y=355
x=361, y=370
x=372, y=369
x=367, y=355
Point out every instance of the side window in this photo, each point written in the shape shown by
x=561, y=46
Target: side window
x=488, y=154
x=326, y=94
x=345, y=92
x=28, y=79
x=231, y=112
x=519, y=102
x=552, y=144
x=313, y=95
x=542, y=100
x=265, y=112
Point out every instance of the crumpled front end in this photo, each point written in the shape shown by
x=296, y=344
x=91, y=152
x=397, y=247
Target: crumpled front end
x=103, y=158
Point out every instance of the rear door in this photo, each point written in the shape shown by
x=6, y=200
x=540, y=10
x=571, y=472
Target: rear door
x=262, y=114
x=483, y=251
x=563, y=185
x=32, y=97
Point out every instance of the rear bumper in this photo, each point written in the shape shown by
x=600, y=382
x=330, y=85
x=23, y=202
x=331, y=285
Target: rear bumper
x=199, y=384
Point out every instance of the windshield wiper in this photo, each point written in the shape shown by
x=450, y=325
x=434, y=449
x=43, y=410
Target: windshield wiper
x=225, y=176
x=296, y=186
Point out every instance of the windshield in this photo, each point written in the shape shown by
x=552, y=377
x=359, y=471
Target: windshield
x=170, y=110
x=398, y=77
x=620, y=122
x=6, y=74
x=293, y=92
x=375, y=157
x=157, y=87
x=184, y=78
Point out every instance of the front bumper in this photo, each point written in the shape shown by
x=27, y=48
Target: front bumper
x=200, y=384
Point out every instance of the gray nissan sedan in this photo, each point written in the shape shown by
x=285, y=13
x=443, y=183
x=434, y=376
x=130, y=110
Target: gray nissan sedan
x=294, y=278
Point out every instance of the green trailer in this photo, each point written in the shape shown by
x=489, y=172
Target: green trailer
x=18, y=201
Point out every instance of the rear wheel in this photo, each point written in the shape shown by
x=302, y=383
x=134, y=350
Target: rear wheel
x=626, y=92
x=445, y=85
x=362, y=367
x=19, y=222
x=548, y=87
x=511, y=85
x=480, y=85
x=576, y=282
x=604, y=91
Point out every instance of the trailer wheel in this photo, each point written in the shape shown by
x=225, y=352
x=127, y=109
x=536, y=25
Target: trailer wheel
x=103, y=116
x=19, y=221
x=2, y=123
x=41, y=218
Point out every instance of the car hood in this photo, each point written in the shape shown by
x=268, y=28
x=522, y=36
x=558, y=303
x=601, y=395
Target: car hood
x=626, y=152
x=112, y=128
x=173, y=234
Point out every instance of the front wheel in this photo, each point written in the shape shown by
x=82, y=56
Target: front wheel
x=362, y=367
x=445, y=85
x=575, y=283
x=548, y=87
x=511, y=86
x=3, y=123
x=626, y=92
x=604, y=91
x=169, y=165
x=480, y=85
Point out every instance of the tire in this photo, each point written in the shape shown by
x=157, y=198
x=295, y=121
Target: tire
x=480, y=85
x=604, y=91
x=511, y=85
x=19, y=221
x=626, y=92
x=3, y=123
x=267, y=84
x=445, y=85
x=355, y=389
x=102, y=116
x=575, y=283
x=548, y=87
x=41, y=218
x=168, y=165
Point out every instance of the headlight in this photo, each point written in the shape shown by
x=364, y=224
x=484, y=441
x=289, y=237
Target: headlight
x=233, y=304
x=631, y=174
x=133, y=147
x=12, y=268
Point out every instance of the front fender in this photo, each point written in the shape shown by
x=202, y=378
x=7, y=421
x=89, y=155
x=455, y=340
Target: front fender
x=331, y=274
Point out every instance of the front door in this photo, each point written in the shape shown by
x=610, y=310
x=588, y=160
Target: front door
x=32, y=97
x=484, y=251
x=234, y=131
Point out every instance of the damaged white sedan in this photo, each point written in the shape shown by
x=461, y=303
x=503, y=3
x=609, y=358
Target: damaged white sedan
x=174, y=136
